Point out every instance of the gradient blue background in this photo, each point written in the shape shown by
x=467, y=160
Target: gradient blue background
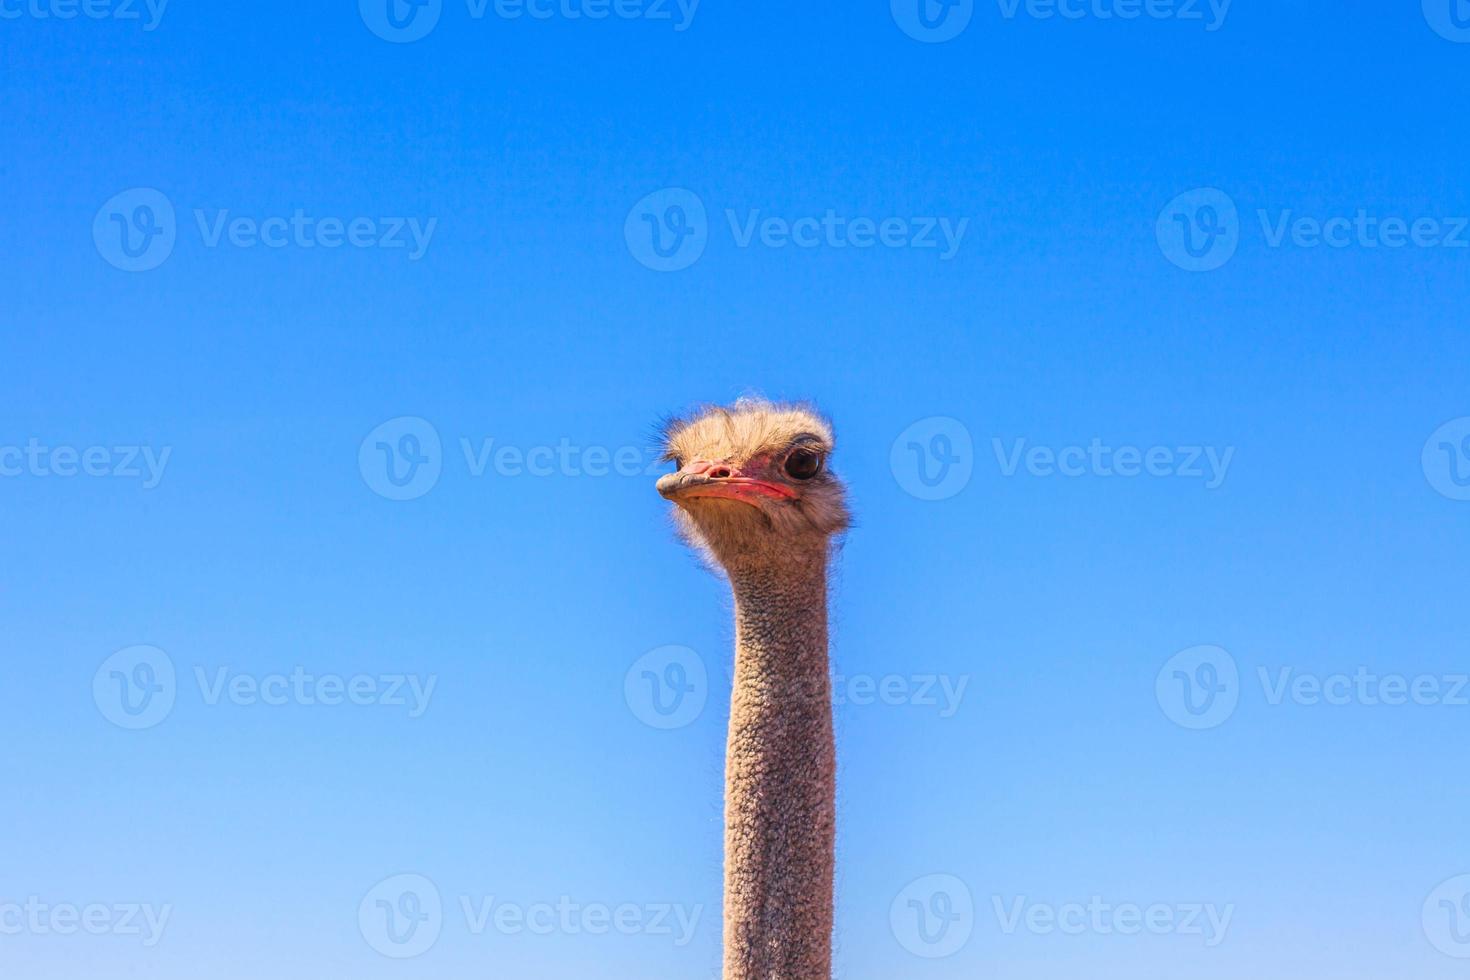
x=529, y=322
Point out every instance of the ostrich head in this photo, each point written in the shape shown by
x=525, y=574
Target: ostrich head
x=752, y=483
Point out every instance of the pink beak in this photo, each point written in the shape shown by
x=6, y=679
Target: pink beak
x=702, y=478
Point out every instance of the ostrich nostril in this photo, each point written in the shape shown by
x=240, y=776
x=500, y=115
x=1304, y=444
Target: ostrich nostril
x=718, y=473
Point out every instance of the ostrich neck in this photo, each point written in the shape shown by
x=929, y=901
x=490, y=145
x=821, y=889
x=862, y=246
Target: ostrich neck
x=780, y=779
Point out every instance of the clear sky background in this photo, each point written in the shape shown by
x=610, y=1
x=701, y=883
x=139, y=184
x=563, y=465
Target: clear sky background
x=1333, y=544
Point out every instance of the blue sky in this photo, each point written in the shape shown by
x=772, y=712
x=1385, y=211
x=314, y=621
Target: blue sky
x=1070, y=694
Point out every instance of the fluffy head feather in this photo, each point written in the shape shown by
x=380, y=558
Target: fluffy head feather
x=753, y=442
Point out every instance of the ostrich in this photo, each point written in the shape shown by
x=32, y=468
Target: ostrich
x=755, y=496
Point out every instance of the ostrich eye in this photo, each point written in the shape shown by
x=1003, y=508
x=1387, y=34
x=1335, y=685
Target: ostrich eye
x=803, y=464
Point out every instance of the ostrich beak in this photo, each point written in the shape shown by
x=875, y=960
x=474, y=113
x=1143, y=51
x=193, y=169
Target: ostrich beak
x=702, y=479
